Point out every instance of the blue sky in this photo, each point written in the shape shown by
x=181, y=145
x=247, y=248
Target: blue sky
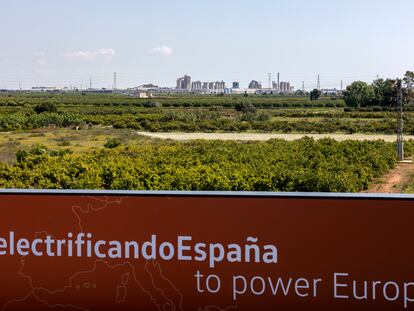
x=62, y=42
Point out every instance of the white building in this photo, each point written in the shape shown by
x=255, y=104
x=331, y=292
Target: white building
x=184, y=83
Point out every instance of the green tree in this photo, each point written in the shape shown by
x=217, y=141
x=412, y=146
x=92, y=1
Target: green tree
x=409, y=79
x=385, y=92
x=245, y=107
x=315, y=94
x=359, y=94
x=409, y=82
x=45, y=107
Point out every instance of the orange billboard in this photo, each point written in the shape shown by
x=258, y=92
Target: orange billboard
x=205, y=251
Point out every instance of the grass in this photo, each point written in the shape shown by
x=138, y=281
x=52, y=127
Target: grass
x=409, y=186
x=79, y=141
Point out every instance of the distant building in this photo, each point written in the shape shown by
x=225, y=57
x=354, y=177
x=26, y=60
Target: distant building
x=330, y=91
x=98, y=91
x=219, y=85
x=184, y=83
x=255, y=85
x=244, y=91
x=285, y=88
x=147, y=86
x=236, y=85
x=44, y=89
x=142, y=94
x=196, y=85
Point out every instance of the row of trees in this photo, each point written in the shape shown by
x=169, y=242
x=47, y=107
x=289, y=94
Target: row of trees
x=277, y=165
x=380, y=93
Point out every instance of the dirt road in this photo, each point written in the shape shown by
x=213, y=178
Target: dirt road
x=264, y=136
x=395, y=180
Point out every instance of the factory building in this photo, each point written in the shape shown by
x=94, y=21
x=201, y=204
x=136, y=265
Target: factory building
x=184, y=83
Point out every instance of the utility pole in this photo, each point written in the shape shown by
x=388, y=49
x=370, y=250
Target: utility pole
x=270, y=80
x=114, y=80
x=342, y=86
x=90, y=83
x=319, y=83
x=278, y=82
x=400, y=122
x=303, y=87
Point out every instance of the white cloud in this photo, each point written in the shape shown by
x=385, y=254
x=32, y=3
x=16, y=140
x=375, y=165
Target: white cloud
x=107, y=54
x=164, y=50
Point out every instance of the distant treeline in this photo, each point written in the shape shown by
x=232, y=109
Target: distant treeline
x=227, y=101
x=157, y=120
x=160, y=120
x=381, y=93
x=23, y=111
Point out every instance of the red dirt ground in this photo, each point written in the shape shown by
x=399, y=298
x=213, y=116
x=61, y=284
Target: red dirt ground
x=395, y=180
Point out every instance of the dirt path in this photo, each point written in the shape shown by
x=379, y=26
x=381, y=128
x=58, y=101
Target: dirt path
x=264, y=136
x=394, y=181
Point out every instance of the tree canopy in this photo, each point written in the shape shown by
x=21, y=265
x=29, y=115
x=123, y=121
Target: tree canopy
x=359, y=94
x=315, y=94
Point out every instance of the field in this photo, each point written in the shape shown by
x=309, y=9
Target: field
x=268, y=114
x=82, y=141
x=78, y=141
x=277, y=165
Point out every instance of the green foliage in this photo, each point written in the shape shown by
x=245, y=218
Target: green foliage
x=385, y=92
x=64, y=143
x=152, y=104
x=359, y=94
x=276, y=165
x=21, y=155
x=281, y=114
x=112, y=143
x=16, y=121
x=315, y=94
x=45, y=107
x=245, y=107
x=39, y=150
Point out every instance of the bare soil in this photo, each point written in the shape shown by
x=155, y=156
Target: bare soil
x=264, y=136
x=395, y=180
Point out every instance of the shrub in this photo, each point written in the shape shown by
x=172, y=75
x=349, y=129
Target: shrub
x=112, y=143
x=245, y=107
x=45, y=107
x=152, y=104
